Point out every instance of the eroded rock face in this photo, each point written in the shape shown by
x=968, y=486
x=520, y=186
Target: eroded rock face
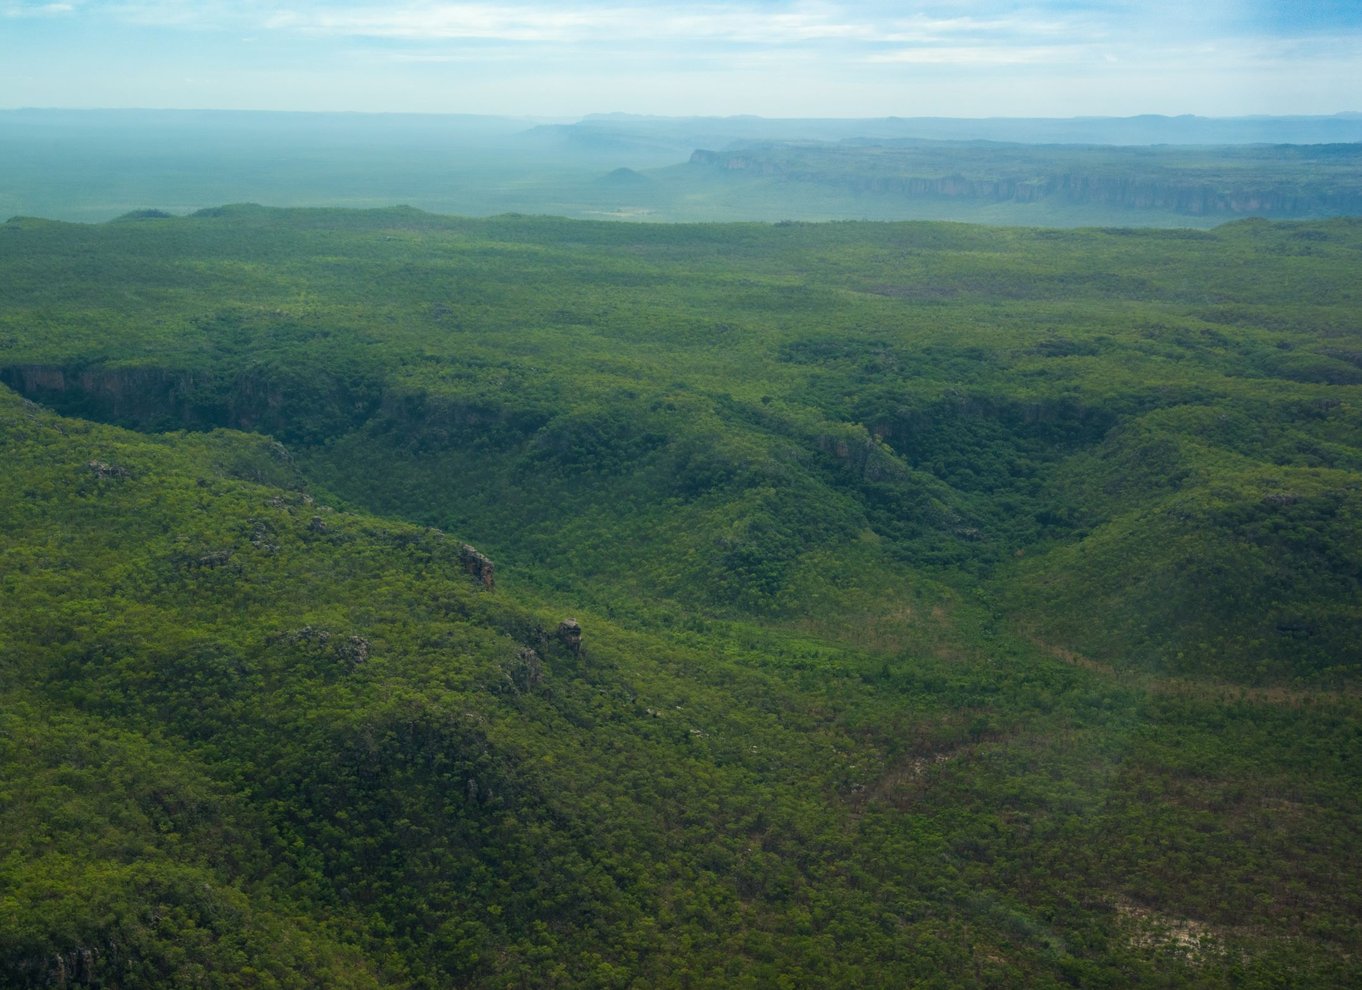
x=527, y=672
x=864, y=455
x=350, y=651
x=478, y=564
x=353, y=650
x=104, y=470
x=570, y=635
x=73, y=968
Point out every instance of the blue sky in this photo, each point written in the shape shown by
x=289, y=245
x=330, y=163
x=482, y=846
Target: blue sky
x=769, y=57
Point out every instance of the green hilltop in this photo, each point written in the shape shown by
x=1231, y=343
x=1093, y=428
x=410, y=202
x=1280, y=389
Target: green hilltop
x=959, y=606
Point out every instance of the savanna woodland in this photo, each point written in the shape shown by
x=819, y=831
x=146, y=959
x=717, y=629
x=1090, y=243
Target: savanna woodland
x=403, y=601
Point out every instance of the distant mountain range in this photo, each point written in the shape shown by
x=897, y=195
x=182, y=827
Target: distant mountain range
x=94, y=165
x=1144, y=129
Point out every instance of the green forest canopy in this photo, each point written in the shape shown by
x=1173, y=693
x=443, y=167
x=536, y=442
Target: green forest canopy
x=961, y=606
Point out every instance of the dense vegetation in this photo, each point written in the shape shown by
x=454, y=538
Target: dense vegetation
x=961, y=606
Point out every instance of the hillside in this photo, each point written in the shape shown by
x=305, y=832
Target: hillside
x=958, y=606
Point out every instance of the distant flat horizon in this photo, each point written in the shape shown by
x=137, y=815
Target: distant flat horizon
x=651, y=139
x=619, y=115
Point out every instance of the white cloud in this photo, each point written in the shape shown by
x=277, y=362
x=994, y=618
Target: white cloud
x=572, y=25
x=975, y=55
x=743, y=23
x=37, y=9
x=749, y=22
x=749, y=55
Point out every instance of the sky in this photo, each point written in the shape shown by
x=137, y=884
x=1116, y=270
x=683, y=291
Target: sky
x=775, y=58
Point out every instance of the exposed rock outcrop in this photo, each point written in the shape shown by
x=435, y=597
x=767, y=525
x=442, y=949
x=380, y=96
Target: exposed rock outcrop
x=863, y=455
x=104, y=470
x=293, y=407
x=570, y=635
x=353, y=650
x=478, y=564
x=75, y=967
x=349, y=651
x=526, y=672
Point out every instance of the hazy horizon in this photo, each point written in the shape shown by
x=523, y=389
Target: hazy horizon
x=531, y=118
x=769, y=58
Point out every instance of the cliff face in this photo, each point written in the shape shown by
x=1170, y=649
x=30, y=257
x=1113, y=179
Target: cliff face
x=156, y=398
x=120, y=394
x=1188, y=195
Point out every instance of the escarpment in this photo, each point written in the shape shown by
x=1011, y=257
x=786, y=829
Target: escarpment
x=149, y=397
x=986, y=175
